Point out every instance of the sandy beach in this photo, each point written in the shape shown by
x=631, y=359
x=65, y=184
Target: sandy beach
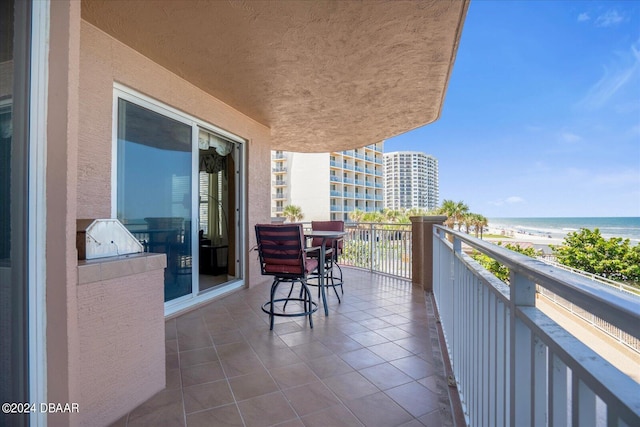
x=512, y=236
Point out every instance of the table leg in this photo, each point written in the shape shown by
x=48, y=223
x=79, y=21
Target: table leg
x=323, y=252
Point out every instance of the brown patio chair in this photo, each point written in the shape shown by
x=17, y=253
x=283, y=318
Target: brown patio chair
x=282, y=254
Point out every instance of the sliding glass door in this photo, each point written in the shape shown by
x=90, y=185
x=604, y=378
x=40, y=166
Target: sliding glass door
x=177, y=188
x=154, y=170
x=15, y=23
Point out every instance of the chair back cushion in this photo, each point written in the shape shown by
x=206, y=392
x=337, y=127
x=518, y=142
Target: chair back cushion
x=281, y=249
x=328, y=226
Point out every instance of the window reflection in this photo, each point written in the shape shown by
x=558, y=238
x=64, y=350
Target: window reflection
x=154, y=189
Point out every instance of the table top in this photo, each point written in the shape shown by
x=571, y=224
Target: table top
x=324, y=233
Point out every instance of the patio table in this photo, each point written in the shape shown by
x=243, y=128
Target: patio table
x=324, y=235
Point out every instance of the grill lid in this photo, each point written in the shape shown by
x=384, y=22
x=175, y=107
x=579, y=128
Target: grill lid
x=100, y=238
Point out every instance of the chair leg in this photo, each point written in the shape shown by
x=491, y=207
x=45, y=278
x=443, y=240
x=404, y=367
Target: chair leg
x=307, y=300
x=274, y=286
x=333, y=283
x=341, y=281
x=284, y=307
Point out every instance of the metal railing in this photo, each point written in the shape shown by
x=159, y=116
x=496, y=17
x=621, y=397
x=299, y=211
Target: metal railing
x=618, y=285
x=512, y=364
x=381, y=248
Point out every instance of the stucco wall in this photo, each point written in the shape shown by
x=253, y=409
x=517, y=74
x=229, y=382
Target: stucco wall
x=103, y=61
x=84, y=65
x=121, y=335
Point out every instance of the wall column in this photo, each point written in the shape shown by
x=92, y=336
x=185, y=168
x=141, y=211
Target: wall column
x=422, y=249
x=61, y=202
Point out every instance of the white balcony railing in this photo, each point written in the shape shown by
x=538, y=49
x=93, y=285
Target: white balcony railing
x=382, y=248
x=512, y=364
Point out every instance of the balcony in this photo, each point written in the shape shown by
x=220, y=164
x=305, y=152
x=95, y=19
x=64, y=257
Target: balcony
x=279, y=169
x=410, y=340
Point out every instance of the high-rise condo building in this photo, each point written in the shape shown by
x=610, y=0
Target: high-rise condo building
x=411, y=180
x=328, y=185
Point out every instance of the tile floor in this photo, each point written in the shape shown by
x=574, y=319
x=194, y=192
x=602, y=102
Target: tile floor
x=370, y=362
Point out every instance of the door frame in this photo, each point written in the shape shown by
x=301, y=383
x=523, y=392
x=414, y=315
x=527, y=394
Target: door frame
x=121, y=91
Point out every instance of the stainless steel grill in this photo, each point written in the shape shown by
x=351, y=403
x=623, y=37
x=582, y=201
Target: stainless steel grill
x=101, y=238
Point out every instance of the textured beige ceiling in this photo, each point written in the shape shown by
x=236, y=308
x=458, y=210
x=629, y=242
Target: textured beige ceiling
x=323, y=75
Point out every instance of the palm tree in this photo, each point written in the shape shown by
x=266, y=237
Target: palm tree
x=454, y=212
x=479, y=222
x=356, y=215
x=292, y=213
x=468, y=220
x=373, y=217
x=391, y=215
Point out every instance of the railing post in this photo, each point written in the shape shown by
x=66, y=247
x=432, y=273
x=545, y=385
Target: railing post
x=372, y=246
x=521, y=380
x=422, y=249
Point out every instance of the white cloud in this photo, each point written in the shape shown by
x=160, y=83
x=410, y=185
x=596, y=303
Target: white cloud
x=633, y=132
x=511, y=200
x=609, y=18
x=583, y=17
x=615, y=77
x=570, y=137
x=619, y=178
x=514, y=199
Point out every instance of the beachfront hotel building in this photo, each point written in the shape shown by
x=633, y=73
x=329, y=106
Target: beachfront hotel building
x=411, y=180
x=328, y=185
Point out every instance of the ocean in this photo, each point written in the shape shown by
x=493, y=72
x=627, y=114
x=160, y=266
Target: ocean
x=625, y=227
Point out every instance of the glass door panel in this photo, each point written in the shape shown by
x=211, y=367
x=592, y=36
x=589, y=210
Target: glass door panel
x=154, y=155
x=217, y=234
x=15, y=24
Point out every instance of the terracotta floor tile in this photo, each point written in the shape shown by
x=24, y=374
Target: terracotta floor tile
x=223, y=416
x=390, y=351
x=197, y=357
x=329, y=366
x=293, y=375
x=252, y=385
x=227, y=369
x=310, y=398
x=275, y=358
x=350, y=386
x=266, y=410
x=368, y=338
x=206, y=396
x=334, y=416
x=245, y=363
x=165, y=408
x=362, y=358
x=312, y=350
x=385, y=376
x=378, y=410
x=414, y=366
x=199, y=374
x=415, y=398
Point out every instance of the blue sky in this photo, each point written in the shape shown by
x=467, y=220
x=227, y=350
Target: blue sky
x=542, y=112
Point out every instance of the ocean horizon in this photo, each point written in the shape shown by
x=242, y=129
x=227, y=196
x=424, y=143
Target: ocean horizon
x=559, y=227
